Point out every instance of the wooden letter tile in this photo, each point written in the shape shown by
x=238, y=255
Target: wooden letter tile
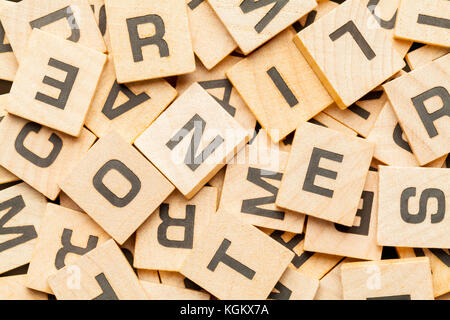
x=250, y=189
x=279, y=86
x=13, y=288
x=149, y=39
x=38, y=155
x=168, y=236
x=8, y=60
x=116, y=186
x=176, y=279
x=99, y=10
x=127, y=109
x=101, y=274
x=21, y=213
x=251, y=23
x=330, y=286
x=294, y=286
x=399, y=279
x=424, y=21
x=55, y=82
x=325, y=174
x=424, y=55
x=341, y=45
x=148, y=275
x=234, y=260
x=158, y=291
x=67, y=19
x=215, y=82
x=358, y=241
x=406, y=217
x=5, y=175
x=65, y=235
x=190, y=162
x=421, y=101
x=210, y=39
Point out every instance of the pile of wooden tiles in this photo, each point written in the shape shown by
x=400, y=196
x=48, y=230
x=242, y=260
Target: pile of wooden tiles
x=225, y=149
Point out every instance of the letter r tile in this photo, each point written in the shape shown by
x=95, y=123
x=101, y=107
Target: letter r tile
x=325, y=174
x=234, y=260
x=149, y=39
x=55, y=82
x=192, y=140
x=116, y=186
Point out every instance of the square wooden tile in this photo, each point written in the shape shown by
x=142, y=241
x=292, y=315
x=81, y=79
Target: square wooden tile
x=294, y=286
x=127, y=109
x=384, y=15
x=55, y=82
x=234, y=260
x=324, y=120
x=148, y=275
x=116, y=186
x=358, y=241
x=38, y=155
x=406, y=217
x=173, y=230
x=325, y=174
x=424, y=21
x=158, y=291
x=330, y=286
x=22, y=210
x=392, y=146
x=361, y=115
x=176, y=279
x=424, y=55
x=167, y=145
x=215, y=82
x=311, y=264
x=7, y=58
x=251, y=26
x=99, y=11
x=66, y=19
x=398, y=279
x=279, y=86
x=103, y=274
x=5, y=175
x=210, y=39
x=250, y=189
x=66, y=202
x=13, y=288
x=421, y=102
x=64, y=237
x=149, y=39
x=342, y=45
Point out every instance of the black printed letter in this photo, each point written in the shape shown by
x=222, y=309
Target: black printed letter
x=57, y=15
x=364, y=214
x=351, y=28
x=167, y=221
x=423, y=202
x=281, y=85
x=250, y=5
x=108, y=292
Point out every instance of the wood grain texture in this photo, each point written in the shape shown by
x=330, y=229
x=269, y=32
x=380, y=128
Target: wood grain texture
x=329, y=196
x=262, y=260
x=190, y=163
x=359, y=241
x=251, y=24
x=45, y=157
x=406, y=217
x=421, y=100
x=8, y=61
x=107, y=261
x=424, y=55
x=99, y=11
x=65, y=19
x=127, y=109
x=55, y=82
x=424, y=21
x=294, y=286
x=21, y=208
x=148, y=275
x=169, y=234
x=158, y=291
x=338, y=63
x=210, y=39
x=62, y=229
x=279, y=86
x=170, y=50
x=408, y=279
x=13, y=288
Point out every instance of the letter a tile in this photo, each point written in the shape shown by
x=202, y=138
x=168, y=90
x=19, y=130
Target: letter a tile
x=55, y=82
x=341, y=45
x=235, y=260
x=116, y=186
x=149, y=39
x=21, y=213
x=421, y=102
x=413, y=207
x=101, y=274
x=325, y=174
x=192, y=140
x=253, y=22
x=64, y=237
